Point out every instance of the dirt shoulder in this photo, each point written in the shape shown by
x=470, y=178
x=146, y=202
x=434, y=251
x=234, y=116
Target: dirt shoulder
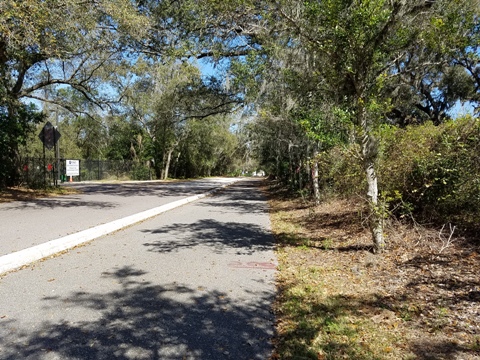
x=25, y=194
x=337, y=300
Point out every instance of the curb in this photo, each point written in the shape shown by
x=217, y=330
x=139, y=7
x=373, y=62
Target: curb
x=24, y=257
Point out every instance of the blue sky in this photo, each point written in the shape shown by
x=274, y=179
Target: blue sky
x=460, y=110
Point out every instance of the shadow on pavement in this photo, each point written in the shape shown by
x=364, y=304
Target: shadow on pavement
x=148, y=189
x=58, y=203
x=89, y=191
x=245, y=238
x=243, y=197
x=145, y=321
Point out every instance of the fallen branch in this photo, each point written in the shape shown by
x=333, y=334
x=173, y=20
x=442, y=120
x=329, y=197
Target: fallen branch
x=446, y=243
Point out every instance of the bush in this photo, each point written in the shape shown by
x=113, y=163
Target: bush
x=431, y=172
x=340, y=172
x=140, y=172
x=434, y=169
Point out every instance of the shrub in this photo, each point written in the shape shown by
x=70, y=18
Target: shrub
x=431, y=172
x=435, y=170
x=340, y=172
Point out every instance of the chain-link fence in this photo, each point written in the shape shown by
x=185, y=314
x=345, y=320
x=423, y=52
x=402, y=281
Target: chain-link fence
x=114, y=169
x=39, y=172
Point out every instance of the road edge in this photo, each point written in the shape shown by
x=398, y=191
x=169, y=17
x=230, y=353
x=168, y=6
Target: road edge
x=16, y=260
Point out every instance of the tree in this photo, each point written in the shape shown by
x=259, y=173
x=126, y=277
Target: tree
x=127, y=139
x=164, y=98
x=53, y=44
x=439, y=71
x=357, y=44
x=14, y=131
x=210, y=148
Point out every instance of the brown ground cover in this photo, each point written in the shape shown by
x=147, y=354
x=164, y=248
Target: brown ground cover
x=337, y=300
x=24, y=194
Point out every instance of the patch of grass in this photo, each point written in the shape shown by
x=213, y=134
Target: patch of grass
x=327, y=243
x=475, y=345
x=319, y=326
x=408, y=312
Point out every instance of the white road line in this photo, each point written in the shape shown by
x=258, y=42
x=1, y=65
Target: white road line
x=23, y=257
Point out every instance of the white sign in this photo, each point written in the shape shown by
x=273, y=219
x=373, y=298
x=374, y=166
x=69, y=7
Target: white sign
x=73, y=167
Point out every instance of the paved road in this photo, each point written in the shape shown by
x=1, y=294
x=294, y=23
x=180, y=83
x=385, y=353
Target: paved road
x=196, y=282
x=28, y=223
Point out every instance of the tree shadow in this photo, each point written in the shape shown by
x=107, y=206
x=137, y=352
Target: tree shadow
x=325, y=323
x=145, y=321
x=246, y=238
x=355, y=248
x=181, y=188
x=349, y=221
x=434, y=350
x=329, y=323
x=242, y=197
x=64, y=202
x=177, y=189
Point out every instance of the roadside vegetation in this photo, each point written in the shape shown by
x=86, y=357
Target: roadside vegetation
x=420, y=299
x=26, y=194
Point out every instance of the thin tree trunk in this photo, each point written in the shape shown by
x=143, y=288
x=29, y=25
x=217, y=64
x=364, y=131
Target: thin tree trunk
x=277, y=165
x=370, y=153
x=300, y=175
x=11, y=157
x=315, y=185
x=175, y=165
x=167, y=163
x=164, y=136
x=291, y=170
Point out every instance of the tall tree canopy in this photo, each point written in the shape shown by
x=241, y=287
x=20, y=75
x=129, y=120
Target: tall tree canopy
x=324, y=72
x=45, y=45
x=376, y=61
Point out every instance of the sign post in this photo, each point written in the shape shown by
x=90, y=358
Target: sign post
x=49, y=137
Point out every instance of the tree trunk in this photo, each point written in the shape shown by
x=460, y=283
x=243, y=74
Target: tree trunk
x=291, y=168
x=167, y=163
x=300, y=175
x=11, y=161
x=315, y=185
x=157, y=165
x=370, y=153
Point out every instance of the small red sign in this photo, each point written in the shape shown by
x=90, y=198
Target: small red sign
x=50, y=167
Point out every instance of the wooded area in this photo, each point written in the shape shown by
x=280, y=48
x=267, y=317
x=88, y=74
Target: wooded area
x=343, y=97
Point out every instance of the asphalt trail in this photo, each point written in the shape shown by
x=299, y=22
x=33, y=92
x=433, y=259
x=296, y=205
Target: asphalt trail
x=194, y=283
x=24, y=224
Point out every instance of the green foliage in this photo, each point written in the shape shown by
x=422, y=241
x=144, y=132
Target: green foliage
x=446, y=182
x=340, y=172
x=327, y=129
x=126, y=141
x=426, y=171
x=140, y=172
x=49, y=46
x=247, y=74
x=14, y=130
x=210, y=148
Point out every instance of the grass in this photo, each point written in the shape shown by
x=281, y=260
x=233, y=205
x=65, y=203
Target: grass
x=337, y=300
